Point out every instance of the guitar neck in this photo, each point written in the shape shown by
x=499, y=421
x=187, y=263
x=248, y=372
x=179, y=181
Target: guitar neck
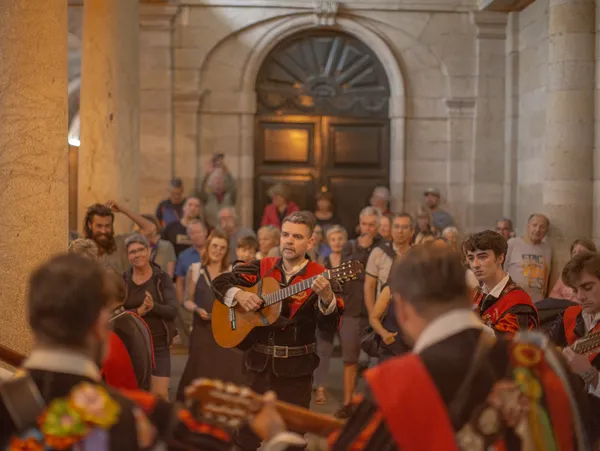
x=587, y=344
x=303, y=420
x=291, y=290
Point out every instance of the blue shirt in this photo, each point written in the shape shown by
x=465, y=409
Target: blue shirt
x=185, y=260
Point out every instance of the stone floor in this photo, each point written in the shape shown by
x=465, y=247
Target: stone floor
x=334, y=393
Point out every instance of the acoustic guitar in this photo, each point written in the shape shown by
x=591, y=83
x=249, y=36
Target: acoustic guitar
x=230, y=325
x=231, y=406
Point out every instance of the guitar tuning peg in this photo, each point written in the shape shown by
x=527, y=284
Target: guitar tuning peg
x=222, y=419
x=231, y=388
x=234, y=423
x=245, y=392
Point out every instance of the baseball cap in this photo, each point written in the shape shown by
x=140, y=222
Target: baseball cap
x=434, y=191
x=381, y=192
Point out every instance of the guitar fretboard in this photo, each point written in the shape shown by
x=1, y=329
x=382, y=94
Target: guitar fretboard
x=291, y=290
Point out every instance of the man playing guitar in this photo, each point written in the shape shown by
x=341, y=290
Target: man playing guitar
x=582, y=273
x=282, y=356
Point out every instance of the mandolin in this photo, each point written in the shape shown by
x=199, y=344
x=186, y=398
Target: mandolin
x=588, y=344
x=231, y=406
x=231, y=325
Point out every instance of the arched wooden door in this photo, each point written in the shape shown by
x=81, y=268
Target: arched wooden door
x=322, y=122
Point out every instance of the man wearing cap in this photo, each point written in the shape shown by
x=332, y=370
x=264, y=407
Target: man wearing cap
x=440, y=218
x=380, y=199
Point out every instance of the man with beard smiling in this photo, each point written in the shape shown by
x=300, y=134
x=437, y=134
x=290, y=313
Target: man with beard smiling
x=282, y=356
x=500, y=302
x=99, y=227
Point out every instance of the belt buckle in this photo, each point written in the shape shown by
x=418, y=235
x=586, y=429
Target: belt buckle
x=285, y=356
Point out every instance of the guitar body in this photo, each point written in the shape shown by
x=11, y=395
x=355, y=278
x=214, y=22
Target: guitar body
x=224, y=335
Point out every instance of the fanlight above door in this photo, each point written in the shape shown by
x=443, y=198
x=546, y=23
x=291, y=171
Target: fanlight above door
x=323, y=73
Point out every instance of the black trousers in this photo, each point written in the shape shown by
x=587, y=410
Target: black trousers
x=295, y=390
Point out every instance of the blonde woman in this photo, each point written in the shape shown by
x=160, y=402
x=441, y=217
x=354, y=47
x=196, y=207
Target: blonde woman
x=207, y=359
x=268, y=239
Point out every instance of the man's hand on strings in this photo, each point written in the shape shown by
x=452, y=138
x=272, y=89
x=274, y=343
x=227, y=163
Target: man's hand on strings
x=322, y=287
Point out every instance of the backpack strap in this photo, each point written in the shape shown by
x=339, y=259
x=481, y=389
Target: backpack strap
x=23, y=401
x=388, y=249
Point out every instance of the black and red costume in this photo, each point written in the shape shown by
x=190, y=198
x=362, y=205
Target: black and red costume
x=291, y=377
x=570, y=327
x=509, y=313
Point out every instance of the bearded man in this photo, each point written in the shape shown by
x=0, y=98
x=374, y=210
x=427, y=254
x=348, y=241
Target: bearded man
x=98, y=226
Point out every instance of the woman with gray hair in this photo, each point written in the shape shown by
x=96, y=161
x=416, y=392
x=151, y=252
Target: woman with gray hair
x=450, y=234
x=151, y=294
x=280, y=206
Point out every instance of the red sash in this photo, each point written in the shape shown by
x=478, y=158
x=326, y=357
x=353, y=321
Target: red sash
x=268, y=268
x=411, y=405
x=496, y=311
x=569, y=322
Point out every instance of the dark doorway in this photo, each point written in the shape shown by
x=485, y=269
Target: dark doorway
x=322, y=123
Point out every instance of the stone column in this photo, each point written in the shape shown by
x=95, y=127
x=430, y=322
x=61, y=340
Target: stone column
x=185, y=145
x=398, y=161
x=511, y=118
x=568, y=158
x=461, y=115
x=110, y=106
x=596, y=196
x=33, y=151
x=487, y=160
x=156, y=102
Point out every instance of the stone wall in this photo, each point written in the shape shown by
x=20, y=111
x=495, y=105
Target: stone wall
x=532, y=80
x=431, y=58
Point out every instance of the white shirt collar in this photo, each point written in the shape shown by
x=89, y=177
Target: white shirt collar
x=62, y=361
x=590, y=320
x=445, y=326
x=497, y=290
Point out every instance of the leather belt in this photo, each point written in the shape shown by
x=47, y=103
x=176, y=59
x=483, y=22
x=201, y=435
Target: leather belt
x=283, y=352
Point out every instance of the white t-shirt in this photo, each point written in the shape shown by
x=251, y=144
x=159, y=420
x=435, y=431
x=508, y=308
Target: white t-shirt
x=529, y=266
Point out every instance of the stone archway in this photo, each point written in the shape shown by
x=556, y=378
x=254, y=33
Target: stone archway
x=322, y=123
x=290, y=26
x=227, y=103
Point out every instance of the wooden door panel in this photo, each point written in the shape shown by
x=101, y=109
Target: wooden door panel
x=288, y=145
x=288, y=151
x=355, y=161
x=349, y=156
x=302, y=191
x=356, y=145
x=351, y=195
x=288, y=141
